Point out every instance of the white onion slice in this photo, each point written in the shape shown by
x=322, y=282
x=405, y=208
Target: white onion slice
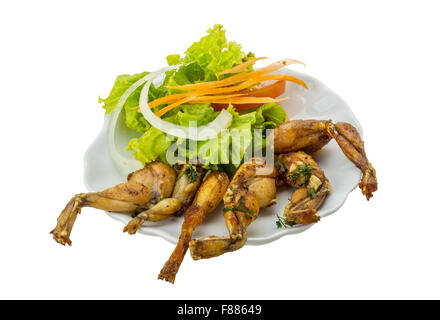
x=124, y=163
x=208, y=131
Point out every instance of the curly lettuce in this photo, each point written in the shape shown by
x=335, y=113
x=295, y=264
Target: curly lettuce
x=205, y=59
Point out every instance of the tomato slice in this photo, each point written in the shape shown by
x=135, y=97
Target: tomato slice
x=270, y=89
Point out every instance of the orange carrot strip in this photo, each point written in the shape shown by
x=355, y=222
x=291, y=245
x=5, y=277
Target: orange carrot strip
x=239, y=77
x=193, y=100
x=228, y=81
x=244, y=100
x=211, y=97
x=170, y=107
x=192, y=95
x=167, y=99
x=241, y=67
x=249, y=83
x=246, y=84
x=175, y=102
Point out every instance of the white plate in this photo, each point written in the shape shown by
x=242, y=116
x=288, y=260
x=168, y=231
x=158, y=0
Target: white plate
x=318, y=102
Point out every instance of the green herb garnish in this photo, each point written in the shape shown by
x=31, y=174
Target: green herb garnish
x=283, y=223
x=241, y=207
x=191, y=173
x=312, y=193
x=304, y=170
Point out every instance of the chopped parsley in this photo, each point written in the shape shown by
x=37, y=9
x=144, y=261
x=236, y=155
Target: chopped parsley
x=312, y=193
x=283, y=223
x=241, y=207
x=304, y=171
x=191, y=173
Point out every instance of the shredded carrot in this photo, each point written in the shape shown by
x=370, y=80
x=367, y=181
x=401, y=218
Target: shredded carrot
x=189, y=96
x=192, y=99
x=228, y=90
x=249, y=83
x=239, y=77
x=244, y=85
x=170, y=107
x=241, y=67
x=246, y=100
x=167, y=99
x=215, y=97
x=221, y=83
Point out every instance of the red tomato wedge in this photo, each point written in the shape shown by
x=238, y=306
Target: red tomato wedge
x=269, y=89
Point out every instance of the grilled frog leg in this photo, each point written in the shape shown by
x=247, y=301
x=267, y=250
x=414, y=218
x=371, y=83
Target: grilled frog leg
x=142, y=189
x=246, y=194
x=311, y=135
x=300, y=171
x=207, y=199
x=353, y=147
x=188, y=181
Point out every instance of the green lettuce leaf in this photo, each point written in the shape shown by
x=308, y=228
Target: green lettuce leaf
x=213, y=53
x=133, y=119
x=154, y=143
x=122, y=83
x=205, y=59
x=200, y=113
x=151, y=145
x=214, y=152
x=173, y=59
x=269, y=115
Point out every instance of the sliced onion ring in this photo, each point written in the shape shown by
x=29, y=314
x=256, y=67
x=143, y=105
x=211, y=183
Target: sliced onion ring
x=208, y=131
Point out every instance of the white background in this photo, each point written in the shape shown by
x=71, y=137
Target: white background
x=382, y=57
